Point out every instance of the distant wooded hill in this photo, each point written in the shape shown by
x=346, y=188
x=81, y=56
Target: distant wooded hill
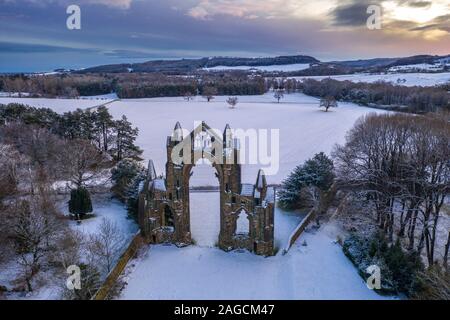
x=190, y=65
x=185, y=66
x=391, y=62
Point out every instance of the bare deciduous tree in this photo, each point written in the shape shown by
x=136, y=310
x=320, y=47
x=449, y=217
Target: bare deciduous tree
x=209, y=93
x=90, y=284
x=9, y=163
x=34, y=231
x=232, y=101
x=81, y=162
x=188, y=96
x=401, y=162
x=328, y=102
x=106, y=245
x=279, y=94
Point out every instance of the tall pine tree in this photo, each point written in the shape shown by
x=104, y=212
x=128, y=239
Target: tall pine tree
x=125, y=137
x=104, y=122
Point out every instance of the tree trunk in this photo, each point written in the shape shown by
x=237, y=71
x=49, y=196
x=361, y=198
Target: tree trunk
x=391, y=228
x=447, y=246
x=105, y=137
x=433, y=239
x=28, y=282
x=425, y=232
x=410, y=210
x=412, y=229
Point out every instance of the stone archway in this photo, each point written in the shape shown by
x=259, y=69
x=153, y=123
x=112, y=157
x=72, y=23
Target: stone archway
x=223, y=152
x=242, y=223
x=204, y=203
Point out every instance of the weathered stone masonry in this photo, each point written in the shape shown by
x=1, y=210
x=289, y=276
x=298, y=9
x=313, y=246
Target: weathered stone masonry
x=164, y=214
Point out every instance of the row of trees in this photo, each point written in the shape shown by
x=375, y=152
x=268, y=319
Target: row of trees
x=410, y=99
x=132, y=85
x=114, y=137
x=76, y=147
x=401, y=164
x=207, y=86
x=33, y=233
x=39, y=149
x=58, y=85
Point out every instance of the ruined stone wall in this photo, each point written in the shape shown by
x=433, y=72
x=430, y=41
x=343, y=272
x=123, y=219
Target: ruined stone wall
x=176, y=196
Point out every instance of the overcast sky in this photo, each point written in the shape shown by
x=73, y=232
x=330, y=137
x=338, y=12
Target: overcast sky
x=34, y=36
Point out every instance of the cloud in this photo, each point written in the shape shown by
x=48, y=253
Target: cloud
x=199, y=12
x=122, y=4
x=417, y=4
x=351, y=13
x=253, y=9
x=441, y=23
x=207, y=9
x=119, y=4
x=403, y=18
x=13, y=47
x=116, y=31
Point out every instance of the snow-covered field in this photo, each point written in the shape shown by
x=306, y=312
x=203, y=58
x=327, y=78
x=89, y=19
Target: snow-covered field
x=318, y=270
x=304, y=129
x=283, y=68
x=109, y=96
x=412, y=79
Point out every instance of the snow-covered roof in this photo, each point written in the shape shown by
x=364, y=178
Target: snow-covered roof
x=158, y=185
x=247, y=190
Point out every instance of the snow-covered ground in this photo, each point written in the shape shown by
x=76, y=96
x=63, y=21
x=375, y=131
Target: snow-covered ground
x=104, y=207
x=109, y=96
x=48, y=288
x=48, y=283
x=318, y=270
x=412, y=79
x=304, y=129
x=271, y=68
x=57, y=105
